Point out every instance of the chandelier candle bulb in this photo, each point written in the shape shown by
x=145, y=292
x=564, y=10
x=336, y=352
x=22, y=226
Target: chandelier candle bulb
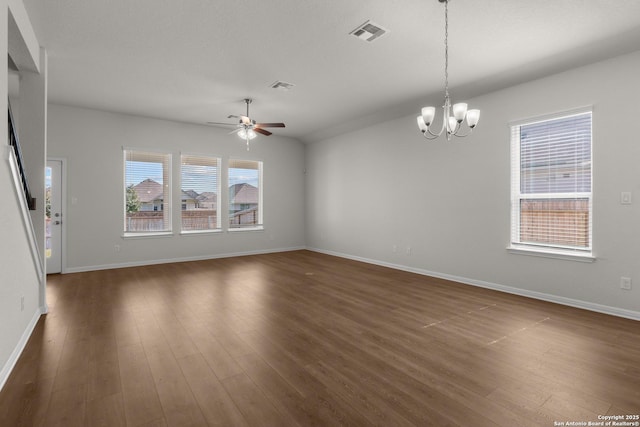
x=472, y=118
x=428, y=113
x=453, y=124
x=459, y=111
x=421, y=124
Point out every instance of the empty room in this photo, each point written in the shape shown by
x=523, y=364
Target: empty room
x=296, y=213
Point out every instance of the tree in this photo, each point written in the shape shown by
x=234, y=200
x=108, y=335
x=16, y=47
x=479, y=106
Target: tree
x=133, y=202
x=47, y=202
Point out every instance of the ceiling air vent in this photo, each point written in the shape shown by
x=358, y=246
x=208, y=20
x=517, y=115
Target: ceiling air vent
x=369, y=31
x=281, y=85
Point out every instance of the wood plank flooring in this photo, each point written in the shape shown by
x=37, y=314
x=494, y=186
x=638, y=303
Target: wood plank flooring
x=303, y=339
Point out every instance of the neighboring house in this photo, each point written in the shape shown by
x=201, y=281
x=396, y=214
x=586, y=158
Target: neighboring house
x=207, y=200
x=242, y=197
x=150, y=194
x=189, y=200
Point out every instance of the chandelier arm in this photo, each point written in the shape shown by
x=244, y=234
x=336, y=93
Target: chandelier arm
x=442, y=128
x=435, y=135
x=426, y=135
x=465, y=135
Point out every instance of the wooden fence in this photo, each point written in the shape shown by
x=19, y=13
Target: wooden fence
x=559, y=222
x=195, y=219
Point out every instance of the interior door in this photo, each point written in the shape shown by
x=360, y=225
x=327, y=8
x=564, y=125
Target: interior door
x=53, y=216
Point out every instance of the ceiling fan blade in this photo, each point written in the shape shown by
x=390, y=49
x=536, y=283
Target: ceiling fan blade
x=235, y=131
x=220, y=123
x=262, y=131
x=270, y=125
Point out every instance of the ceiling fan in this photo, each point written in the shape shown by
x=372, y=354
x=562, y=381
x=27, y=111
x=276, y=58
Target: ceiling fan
x=248, y=128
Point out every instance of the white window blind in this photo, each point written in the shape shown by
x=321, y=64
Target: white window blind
x=551, y=181
x=245, y=194
x=199, y=192
x=147, y=191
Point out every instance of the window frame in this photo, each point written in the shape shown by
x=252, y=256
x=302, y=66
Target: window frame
x=552, y=250
x=219, y=198
x=166, y=206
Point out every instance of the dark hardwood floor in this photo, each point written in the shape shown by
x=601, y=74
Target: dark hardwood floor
x=305, y=339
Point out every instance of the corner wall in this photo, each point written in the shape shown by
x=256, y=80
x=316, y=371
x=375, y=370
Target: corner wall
x=91, y=142
x=375, y=192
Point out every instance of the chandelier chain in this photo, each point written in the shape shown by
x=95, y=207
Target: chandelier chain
x=446, y=48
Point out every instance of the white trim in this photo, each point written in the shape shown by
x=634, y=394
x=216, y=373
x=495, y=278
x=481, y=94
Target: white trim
x=147, y=234
x=585, y=305
x=238, y=229
x=184, y=259
x=547, y=252
x=17, y=351
x=550, y=116
x=201, y=232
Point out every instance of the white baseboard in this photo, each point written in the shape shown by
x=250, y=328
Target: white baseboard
x=171, y=260
x=17, y=351
x=605, y=309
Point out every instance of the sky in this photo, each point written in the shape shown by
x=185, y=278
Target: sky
x=47, y=178
x=191, y=176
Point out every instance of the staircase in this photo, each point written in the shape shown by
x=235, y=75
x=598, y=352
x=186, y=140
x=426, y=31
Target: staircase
x=26, y=201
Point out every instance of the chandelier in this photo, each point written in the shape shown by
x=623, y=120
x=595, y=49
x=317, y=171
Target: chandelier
x=454, y=114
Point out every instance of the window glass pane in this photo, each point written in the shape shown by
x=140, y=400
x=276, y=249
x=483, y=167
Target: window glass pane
x=147, y=192
x=555, y=155
x=200, y=187
x=245, y=189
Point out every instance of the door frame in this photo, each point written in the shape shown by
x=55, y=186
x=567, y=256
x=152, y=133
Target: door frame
x=63, y=211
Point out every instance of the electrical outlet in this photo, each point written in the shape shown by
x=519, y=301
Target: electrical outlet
x=408, y=250
x=625, y=283
x=394, y=248
x=116, y=248
x=625, y=198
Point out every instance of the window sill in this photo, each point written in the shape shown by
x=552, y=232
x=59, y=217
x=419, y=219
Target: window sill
x=200, y=232
x=147, y=235
x=550, y=253
x=235, y=230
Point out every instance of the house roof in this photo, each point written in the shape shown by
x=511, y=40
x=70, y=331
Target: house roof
x=243, y=194
x=341, y=82
x=149, y=190
x=207, y=196
x=189, y=194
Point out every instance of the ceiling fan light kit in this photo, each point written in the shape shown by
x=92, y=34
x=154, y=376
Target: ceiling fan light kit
x=454, y=115
x=248, y=129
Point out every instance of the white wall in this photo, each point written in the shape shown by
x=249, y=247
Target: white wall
x=385, y=185
x=91, y=142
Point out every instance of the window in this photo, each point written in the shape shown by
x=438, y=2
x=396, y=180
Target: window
x=147, y=192
x=551, y=184
x=245, y=194
x=200, y=187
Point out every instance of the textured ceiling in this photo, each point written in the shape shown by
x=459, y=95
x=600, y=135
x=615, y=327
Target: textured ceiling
x=194, y=61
